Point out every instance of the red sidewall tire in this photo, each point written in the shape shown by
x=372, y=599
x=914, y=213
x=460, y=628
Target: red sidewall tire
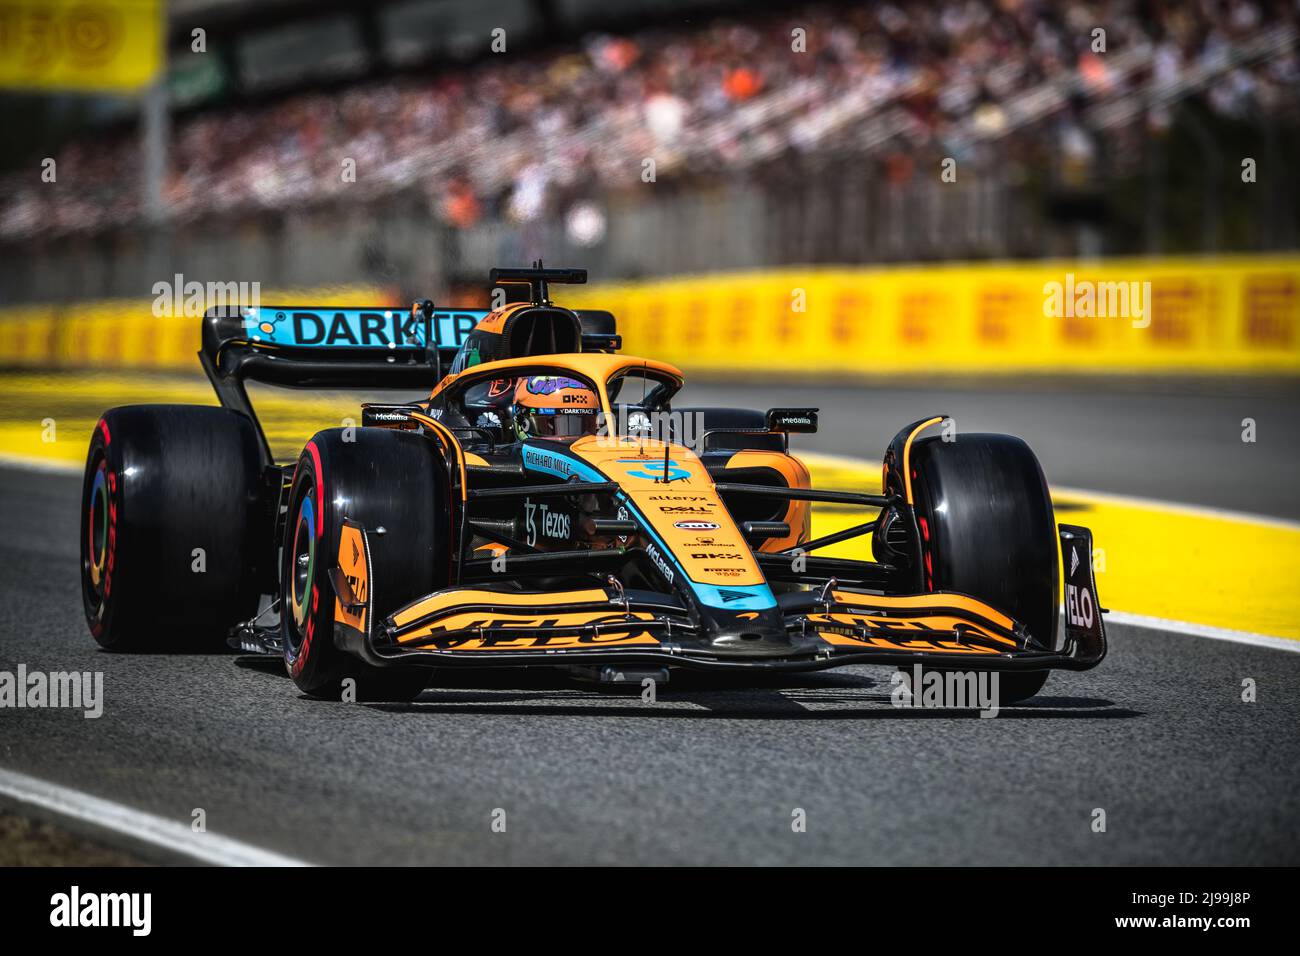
x=172, y=531
x=988, y=530
x=100, y=509
x=313, y=663
x=377, y=478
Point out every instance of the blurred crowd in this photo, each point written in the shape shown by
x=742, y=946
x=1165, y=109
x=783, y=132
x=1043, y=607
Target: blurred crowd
x=527, y=135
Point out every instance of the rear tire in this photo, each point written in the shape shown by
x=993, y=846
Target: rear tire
x=170, y=527
x=988, y=530
x=380, y=478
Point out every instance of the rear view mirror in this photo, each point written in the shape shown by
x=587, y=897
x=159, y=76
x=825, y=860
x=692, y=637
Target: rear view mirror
x=792, y=419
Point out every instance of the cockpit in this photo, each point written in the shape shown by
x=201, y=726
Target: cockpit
x=591, y=394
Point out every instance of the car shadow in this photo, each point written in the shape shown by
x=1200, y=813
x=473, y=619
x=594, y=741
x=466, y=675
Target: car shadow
x=160, y=648
x=782, y=709
x=261, y=663
x=692, y=696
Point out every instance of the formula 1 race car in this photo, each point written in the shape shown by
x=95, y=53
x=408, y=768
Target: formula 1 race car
x=547, y=505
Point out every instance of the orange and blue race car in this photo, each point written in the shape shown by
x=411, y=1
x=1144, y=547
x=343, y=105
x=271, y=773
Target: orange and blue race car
x=547, y=505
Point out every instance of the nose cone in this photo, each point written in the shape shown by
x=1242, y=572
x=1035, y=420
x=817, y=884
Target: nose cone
x=761, y=635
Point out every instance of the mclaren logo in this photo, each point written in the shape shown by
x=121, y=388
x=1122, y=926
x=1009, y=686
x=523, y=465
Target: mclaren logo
x=652, y=552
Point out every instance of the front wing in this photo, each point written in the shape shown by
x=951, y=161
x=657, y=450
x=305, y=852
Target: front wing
x=830, y=627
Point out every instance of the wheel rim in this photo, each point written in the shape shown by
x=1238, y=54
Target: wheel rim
x=302, y=566
x=97, y=524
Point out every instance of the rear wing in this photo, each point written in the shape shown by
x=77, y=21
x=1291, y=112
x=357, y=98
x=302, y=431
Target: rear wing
x=328, y=347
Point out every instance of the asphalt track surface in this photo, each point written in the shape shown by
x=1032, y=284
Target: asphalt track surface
x=1157, y=736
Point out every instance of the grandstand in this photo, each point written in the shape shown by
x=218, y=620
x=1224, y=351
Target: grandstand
x=779, y=134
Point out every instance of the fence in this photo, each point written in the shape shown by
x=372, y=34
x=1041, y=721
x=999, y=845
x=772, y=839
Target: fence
x=1233, y=315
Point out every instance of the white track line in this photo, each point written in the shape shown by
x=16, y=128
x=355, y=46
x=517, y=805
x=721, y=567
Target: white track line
x=1203, y=630
x=32, y=463
x=1155, y=504
x=1173, y=507
x=136, y=824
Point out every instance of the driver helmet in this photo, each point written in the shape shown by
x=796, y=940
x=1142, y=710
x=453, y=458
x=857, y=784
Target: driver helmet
x=551, y=406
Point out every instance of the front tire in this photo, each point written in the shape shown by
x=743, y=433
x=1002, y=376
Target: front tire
x=988, y=530
x=380, y=478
